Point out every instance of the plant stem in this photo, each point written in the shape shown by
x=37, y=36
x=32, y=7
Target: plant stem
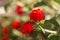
x=50, y=31
x=46, y=30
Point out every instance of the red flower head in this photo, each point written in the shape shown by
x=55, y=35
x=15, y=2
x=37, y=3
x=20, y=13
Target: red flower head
x=5, y=31
x=27, y=28
x=37, y=15
x=16, y=24
x=19, y=10
x=5, y=38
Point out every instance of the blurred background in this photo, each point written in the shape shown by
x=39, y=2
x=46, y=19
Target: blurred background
x=52, y=20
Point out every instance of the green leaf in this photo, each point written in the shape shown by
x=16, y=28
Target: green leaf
x=38, y=0
x=53, y=38
x=42, y=21
x=6, y=6
x=39, y=4
x=35, y=33
x=1, y=31
x=14, y=37
x=58, y=1
x=27, y=5
x=17, y=33
x=51, y=24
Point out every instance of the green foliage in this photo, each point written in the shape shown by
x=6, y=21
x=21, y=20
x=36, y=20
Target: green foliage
x=0, y=30
x=7, y=5
x=28, y=5
x=53, y=38
x=35, y=35
x=51, y=24
x=39, y=4
x=58, y=1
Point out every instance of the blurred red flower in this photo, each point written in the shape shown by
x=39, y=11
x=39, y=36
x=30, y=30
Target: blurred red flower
x=5, y=31
x=16, y=24
x=19, y=10
x=5, y=38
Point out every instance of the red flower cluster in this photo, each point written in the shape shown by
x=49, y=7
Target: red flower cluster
x=37, y=15
x=27, y=28
x=19, y=10
x=5, y=31
x=16, y=24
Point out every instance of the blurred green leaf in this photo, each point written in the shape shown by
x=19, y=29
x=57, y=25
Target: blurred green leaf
x=1, y=31
x=28, y=5
x=53, y=38
x=35, y=33
x=38, y=0
x=58, y=19
x=39, y=4
x=51, y=24
x=6, y=6
x=58, y=1
x=13, y=37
